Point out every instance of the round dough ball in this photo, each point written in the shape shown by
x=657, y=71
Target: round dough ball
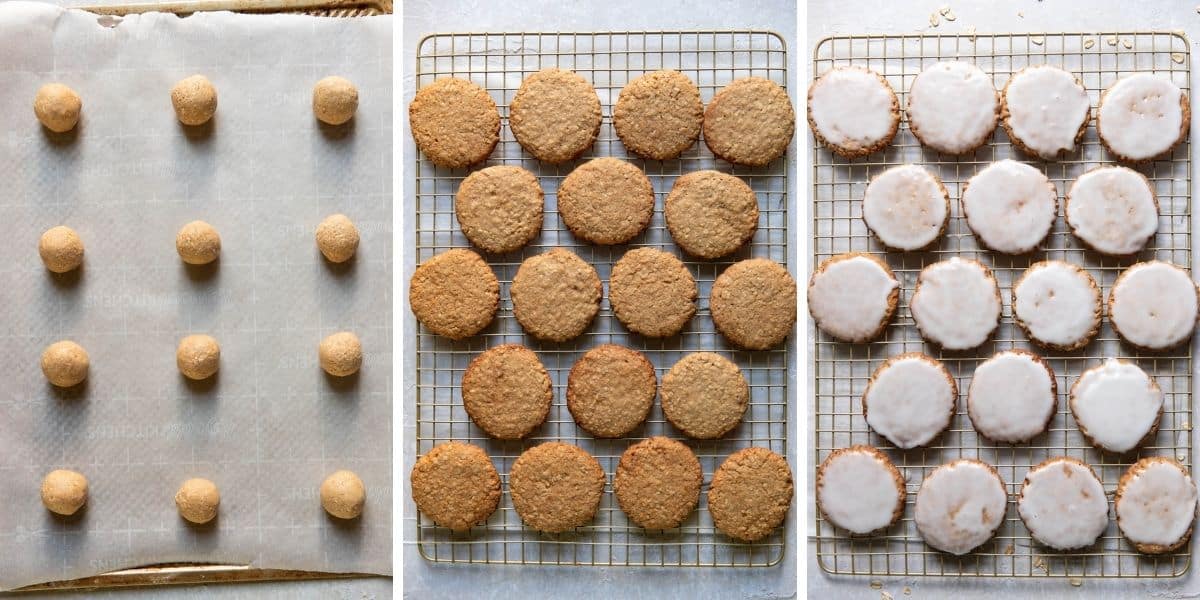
x=64, y=492
x=337, y=237
x=198, y=356
x=194, y=99
x=198, y=243
x=334, y=100
x=341, y=354
x=343, y=495
x=65, y=363
x=57, y=107
x=198, y=500
x=61, y=249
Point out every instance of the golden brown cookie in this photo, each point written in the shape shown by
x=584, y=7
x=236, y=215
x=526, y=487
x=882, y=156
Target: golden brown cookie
x=750, y=494
x=753, y=304
x=711, y=214
x=705, y=395
x=606, y=201
x=456, y=485
x=555, y=295
x=555, y=115
x=658, y=115
x=610, y=390
x=556, y=487
x=749, y=122
x=652, y=292
x=499, y=208
x=658, y=483
x=507, y=391
x=454, y=122
x=455, y=294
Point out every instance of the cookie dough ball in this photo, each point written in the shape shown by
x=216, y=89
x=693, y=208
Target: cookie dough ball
x=57, y=107
x=198, y=356
x=198, y=500
x=65, y=363
x=334, y=100
x=64, y=492
x=343, y=495
x=61, y=249
x=341, y=354
x=198, y=243
x=337, y=237
x=195, y=100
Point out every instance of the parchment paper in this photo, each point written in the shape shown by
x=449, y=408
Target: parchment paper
x=272, y=426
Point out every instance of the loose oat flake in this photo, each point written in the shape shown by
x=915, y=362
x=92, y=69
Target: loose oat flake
x=1088, y=44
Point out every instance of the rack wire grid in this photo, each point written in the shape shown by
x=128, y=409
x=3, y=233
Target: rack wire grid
x=499, y=62
x=841, y=371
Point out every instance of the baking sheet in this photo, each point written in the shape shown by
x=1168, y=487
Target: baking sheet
x=272, y=426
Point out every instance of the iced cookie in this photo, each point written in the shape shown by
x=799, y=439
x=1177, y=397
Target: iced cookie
x=860, y=490
x=1142, y=116
x=960, y=506
x=853, y=111
x=1010, y=206
x=906, y=207
x=1057, y=304
x=1044, y=110
x=1116, y=405
x=910, y=399
x=956, y=304
x=1113, y=210
x=1012, y=397
x=1153, y=305
x=952, y=107
x=1062, y=503
x=1156, y=505
x=853, y=296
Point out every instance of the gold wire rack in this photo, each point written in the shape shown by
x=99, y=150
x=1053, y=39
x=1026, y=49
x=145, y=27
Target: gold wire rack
x=841, y=371
x=499, y=62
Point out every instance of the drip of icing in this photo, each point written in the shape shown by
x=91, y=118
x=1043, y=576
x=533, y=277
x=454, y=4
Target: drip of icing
x=853, y=108
x=960, y=505
x=849, y=297
x=1157, y=505
x=910, y=400
x=957, y=304
x=1112, y=209
x=1117, y=403
x=905, y=207
x=1011, y=397
x=858, y=492
x=1063, y=504
x=1011, y=206
x=1046, y=108
x=1154, y=305
x=1058, y=302
x=953, y=105
x=1140, y=117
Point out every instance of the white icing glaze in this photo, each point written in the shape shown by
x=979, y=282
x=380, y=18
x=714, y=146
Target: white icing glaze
x=953, y=106
x=1157, y=505
x=1046, y=108
x=852, y=108
x=960, y=506
x=857, y=491
x=848, y=297
x=1058, y=302
x=1063, y=504
x=1112, y=210
x=956, y=304
x=1011, y=206
x=1153, y=305
x=1011, y=397
x=1117, y=404
x=905, y=207
x=1140, y=117
x=910, y=400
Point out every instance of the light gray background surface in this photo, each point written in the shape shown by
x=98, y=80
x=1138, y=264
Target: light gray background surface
x=829, y=17
x=428, y=581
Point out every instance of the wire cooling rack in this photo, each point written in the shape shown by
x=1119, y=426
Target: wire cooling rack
x=499, y=62
x=841, y=371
